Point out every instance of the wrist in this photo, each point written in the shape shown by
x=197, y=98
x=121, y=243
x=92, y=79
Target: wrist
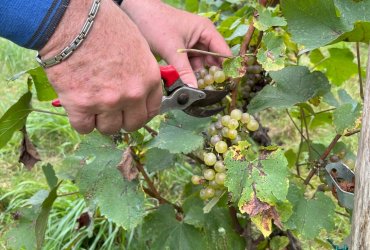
x=68, y=28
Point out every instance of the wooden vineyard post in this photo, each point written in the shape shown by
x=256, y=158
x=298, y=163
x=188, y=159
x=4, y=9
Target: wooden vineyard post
x=361, y=211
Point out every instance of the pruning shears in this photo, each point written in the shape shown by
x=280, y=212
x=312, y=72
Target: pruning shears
x=180, y=96
x=190, y=100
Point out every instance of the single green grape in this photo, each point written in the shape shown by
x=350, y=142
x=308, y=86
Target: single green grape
x=221, y=147
x=220, y=166
x=251, y=60
x=233, y=124
x=218, y=125
x=210, y=159
x=220, y=178
x=252, y=125
x=225, y=131
x=213, y=69
x=219, y=76
x=209, y=174
x=212, y=130
x=210, y=192
x=213, y=184
x=215, y=139
x=203, y=73
x=236, y=114
x=202, y=194
x=245, y=118
x=236, y=140
x=232, y=134
x=225, y=120
x=208, y=79
x=201, y=84
x=196, y=179
x=209, y=88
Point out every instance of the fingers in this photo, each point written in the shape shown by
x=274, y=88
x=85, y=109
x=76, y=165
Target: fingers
x=82, y=122
x=181, y=62
x=109, y=123
x=153, y=102
x=134, y=116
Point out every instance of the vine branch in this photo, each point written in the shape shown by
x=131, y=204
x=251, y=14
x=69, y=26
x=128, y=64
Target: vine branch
x=322, y=158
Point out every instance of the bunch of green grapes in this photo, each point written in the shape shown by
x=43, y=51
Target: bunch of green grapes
x=254, y=81
x=211, y=78
x=227, y=131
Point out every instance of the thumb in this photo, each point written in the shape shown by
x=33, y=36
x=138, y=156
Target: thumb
x=182, y=64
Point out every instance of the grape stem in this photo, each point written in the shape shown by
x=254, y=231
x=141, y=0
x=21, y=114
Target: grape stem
x=300, y=132
x=243, y=50
x=322, y=157
x=151, y=131
x=203, y=52
x=152, y=191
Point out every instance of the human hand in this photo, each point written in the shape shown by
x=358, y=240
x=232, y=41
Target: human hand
x=112, y=80
x=168, y=29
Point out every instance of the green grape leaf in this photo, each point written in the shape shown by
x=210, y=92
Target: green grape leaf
x=14, y=118
x=279, y=243
x=45, y=92
x=272, y=54
x=216, y=224
x=345, y=116
x=313, y=23
x=339, y=66
x=263, y=183
x=180, y=133
x=191, y=5
x=173, y=234
x=38, y=198
x=327, y=21
x=176, y=140
x=316, y=56
x=355, y=13
x=294, y=84
x=236, y=177
x=240, y=31
x=234, y=67
x=157, y=159
x=22, y=235
x=102, y=184
x=266, y=19
x=310, y=216
x=50, y=176
x=42, y=218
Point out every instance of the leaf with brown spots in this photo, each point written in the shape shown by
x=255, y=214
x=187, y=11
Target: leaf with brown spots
x=29, y=155
x=262, y=214
x=127, y=166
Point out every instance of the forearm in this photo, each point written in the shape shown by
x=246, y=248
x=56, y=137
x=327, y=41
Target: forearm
x=30, y=24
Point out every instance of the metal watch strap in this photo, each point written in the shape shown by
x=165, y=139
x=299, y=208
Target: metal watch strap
x=67, y=51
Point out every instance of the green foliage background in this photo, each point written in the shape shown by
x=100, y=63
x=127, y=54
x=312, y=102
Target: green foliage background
x=309, y=50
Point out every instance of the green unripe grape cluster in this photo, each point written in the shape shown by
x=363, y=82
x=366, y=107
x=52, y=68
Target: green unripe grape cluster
x=209, y=79
x=225, y=132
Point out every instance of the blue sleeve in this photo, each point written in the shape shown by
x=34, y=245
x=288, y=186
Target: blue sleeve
x=30, y=24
